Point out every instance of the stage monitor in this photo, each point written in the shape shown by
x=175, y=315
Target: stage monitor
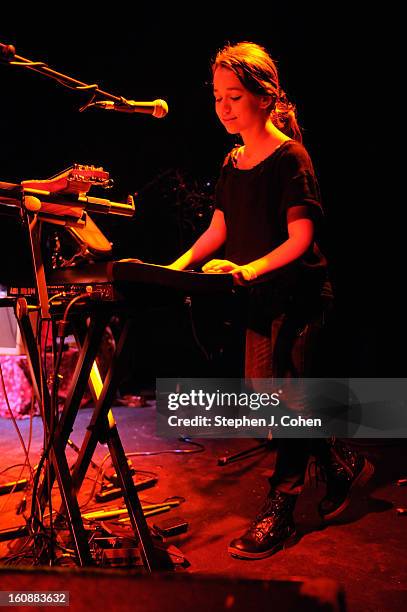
x=10, y=339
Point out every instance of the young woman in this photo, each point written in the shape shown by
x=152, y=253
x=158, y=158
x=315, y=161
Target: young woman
x=268, y=215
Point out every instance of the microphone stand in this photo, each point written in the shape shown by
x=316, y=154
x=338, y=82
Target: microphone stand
x=8, y=56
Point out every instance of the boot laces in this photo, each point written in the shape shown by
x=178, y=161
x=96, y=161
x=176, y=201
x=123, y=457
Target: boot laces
x=275, y=504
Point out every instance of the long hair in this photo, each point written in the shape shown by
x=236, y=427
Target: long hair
x=257, y=72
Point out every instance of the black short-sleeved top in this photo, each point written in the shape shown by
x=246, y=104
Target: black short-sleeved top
x=255, y=204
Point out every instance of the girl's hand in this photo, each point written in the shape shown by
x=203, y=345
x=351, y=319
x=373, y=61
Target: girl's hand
x=215, y=266
x=243, y=274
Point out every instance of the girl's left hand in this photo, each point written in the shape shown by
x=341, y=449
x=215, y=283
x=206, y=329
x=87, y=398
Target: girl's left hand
x=243, y=275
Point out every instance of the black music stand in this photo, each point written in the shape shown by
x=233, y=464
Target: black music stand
x=28, y=272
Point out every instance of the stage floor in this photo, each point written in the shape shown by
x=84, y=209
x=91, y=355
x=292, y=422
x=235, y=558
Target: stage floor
x=365, y=551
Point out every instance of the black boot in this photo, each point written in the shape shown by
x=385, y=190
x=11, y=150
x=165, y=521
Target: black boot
x=272, y=529
x=345, y=471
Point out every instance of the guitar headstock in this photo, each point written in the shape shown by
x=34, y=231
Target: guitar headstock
x=80, y=173
x=78, y=179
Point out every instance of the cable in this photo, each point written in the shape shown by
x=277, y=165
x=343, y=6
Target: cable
x=27, y=459
x=176, y=451
x=34, y=499
x=164, y=501
x=29, y=64
x=56, y=296
x=43, y=351
x=25, y=449
x=101, y=472
x=61, y=81
x=188, y=302
x=10, y=467
x=62, y=326
x=37, y=472
x=12, y=415
x=88, y=103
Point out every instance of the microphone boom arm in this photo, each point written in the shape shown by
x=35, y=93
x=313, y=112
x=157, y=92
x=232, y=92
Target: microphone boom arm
x=7, y=55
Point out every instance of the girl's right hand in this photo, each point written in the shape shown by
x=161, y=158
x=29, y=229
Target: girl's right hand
x=216, y=266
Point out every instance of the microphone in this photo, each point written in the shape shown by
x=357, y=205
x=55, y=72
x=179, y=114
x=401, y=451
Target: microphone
x=157, y=108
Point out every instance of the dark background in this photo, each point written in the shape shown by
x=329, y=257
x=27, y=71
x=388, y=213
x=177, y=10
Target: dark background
x=332, y=64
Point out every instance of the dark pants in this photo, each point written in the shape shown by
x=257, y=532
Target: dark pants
x=293, y=349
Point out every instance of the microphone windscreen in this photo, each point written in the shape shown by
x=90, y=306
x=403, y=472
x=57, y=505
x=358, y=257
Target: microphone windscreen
x=160, y=109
